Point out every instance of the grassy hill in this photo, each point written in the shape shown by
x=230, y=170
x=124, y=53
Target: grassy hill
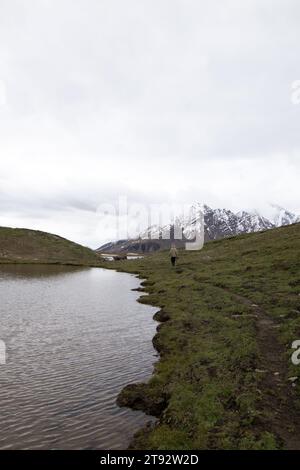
x=32, y=246
x=229, y=315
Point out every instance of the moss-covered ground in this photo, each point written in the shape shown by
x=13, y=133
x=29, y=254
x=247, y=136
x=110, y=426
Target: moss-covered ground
x=229, y=314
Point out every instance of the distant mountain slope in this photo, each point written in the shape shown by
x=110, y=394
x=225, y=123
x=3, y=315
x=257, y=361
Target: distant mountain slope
x=218, y=223
x=32, y=246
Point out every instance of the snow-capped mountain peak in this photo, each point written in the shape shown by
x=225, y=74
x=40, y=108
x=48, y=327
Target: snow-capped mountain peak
x=218, y=223
x=281, y=216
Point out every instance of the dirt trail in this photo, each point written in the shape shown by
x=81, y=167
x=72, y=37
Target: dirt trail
x=278, y=395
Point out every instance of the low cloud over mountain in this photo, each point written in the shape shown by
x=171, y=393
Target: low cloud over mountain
x=218, y=223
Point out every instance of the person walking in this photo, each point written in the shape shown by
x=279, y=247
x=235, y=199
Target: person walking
x=173, y=255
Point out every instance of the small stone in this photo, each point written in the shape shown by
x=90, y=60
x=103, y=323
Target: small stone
x=254, y=305
x=276, y=373
x=260, y=371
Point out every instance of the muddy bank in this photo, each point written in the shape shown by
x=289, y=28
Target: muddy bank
x=142, y=396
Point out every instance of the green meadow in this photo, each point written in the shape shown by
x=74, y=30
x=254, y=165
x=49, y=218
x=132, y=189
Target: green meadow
x=228, y=316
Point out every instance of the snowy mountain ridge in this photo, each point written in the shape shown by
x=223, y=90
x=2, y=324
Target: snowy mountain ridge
x=218, y=223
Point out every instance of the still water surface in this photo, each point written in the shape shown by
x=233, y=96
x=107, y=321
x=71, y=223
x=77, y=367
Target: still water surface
x=74, y=338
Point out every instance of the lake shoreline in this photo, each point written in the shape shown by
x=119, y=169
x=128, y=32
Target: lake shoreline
x=137, y=396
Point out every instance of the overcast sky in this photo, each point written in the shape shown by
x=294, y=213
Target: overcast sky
x=156, y=100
